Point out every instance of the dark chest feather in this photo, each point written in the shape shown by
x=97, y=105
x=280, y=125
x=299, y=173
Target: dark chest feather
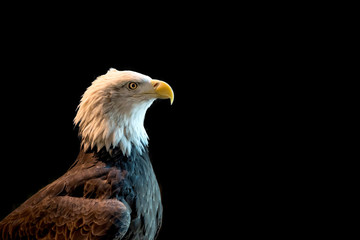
x=130, y=180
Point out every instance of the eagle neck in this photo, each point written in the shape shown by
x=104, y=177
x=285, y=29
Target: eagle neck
x=112, y=158
x=115, y=157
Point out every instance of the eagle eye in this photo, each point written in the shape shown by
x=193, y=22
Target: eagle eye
x=132, y=85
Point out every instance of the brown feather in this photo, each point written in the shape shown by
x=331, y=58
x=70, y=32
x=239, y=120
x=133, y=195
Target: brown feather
x=93, y=200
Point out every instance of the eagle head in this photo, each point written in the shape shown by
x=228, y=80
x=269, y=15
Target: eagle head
x=112, y=110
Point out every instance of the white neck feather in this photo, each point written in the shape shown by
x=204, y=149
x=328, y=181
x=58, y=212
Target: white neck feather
x=105, y=122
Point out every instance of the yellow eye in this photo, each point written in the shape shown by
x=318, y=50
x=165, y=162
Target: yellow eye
x=132, y=85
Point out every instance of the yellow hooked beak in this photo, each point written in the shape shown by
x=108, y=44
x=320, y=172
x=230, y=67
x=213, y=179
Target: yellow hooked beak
x=163, y=90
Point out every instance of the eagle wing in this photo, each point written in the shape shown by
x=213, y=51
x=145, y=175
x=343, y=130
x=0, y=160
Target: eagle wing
x=58, y=211
x=65, y=217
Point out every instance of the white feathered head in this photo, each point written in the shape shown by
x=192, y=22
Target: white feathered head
x=112, y=110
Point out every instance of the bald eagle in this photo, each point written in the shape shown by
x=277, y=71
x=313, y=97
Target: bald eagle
x=111, y=191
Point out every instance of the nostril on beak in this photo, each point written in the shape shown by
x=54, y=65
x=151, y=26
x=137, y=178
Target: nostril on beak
x=156, y=84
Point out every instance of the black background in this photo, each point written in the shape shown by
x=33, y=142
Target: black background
x=221, y=151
